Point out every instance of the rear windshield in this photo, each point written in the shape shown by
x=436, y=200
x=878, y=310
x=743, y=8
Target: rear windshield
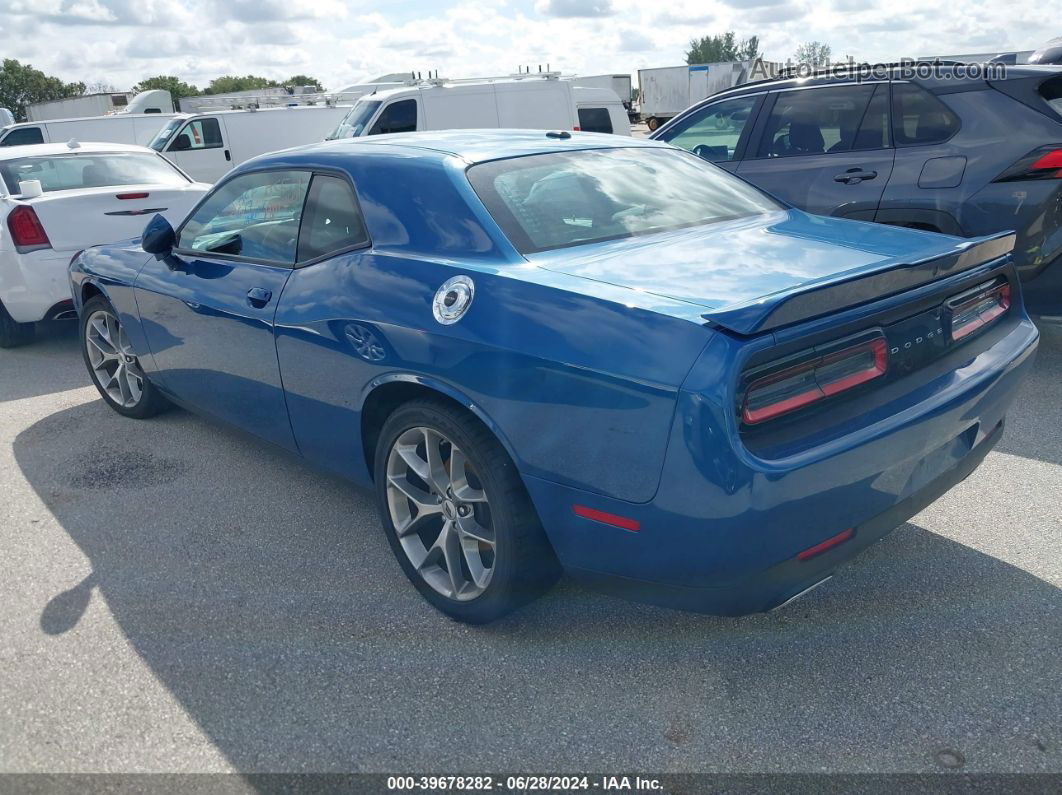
x=100, y=170
x=551, y=201
x=354, y=122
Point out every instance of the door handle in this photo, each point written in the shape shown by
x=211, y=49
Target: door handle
x=258, y=297
x=854, y=176
x=227, y=155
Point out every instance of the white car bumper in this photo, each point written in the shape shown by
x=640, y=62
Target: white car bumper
x=32, y=284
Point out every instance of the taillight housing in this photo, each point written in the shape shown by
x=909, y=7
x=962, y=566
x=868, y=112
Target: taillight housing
x=973, y=310
x=777, y=389
x=1042, y=163
x=26, y=231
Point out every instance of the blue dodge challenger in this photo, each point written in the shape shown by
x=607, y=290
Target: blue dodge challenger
x=550, y=351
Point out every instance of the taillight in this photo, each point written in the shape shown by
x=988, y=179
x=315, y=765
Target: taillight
x=26, y=231
x=976, y=308
x=822, y=375
x=124, y=196
x=1042, y=163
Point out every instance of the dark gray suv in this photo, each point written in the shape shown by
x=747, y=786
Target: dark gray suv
x=945, y=152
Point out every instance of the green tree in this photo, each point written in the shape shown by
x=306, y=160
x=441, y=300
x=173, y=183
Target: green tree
x=303, y=80
x=812, y=53
x=721, y=48
x=22, y=85
x=227, y=84
x=177, y=87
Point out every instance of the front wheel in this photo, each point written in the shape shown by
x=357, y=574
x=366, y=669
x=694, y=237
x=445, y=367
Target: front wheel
x=457, y=515
x=113, y=366
x=12, y=333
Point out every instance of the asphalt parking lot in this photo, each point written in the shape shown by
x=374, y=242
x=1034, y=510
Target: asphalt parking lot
x=178, y=597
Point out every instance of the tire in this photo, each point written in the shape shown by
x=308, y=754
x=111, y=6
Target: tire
x=652, y=123
x=12, y=333
x=128, y=391
x=506, y=536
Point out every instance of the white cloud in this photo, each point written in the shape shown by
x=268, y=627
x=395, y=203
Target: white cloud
x=122, y=41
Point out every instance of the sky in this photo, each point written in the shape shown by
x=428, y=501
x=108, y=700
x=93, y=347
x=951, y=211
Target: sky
x=118, y=42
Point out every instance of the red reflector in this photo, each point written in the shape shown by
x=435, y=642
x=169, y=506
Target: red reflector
x=26, y=229
x=576, y=129
x=132, y=195
x=967, y=316
x=607, y=518
x=818, y=549
x=796, y=387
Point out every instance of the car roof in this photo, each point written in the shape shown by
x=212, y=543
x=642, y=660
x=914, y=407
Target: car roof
x=472, y=145
x=948, y=78
x=88, y=147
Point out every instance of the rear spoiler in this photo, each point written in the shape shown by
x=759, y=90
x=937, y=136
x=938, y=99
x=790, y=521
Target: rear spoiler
x=823, y=296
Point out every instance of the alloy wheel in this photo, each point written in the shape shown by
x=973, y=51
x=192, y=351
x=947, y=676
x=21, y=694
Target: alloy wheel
x=113, y=363
x=441, y=513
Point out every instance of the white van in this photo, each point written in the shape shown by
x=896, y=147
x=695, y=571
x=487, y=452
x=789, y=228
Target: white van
x=535, y=101
x=118, y=128
x=207, y=145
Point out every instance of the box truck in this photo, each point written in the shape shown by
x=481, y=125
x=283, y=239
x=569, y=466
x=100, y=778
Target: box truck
x=667, y=91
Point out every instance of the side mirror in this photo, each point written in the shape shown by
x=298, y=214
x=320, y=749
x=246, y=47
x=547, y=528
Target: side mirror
x=182, y=143
x=159, y=237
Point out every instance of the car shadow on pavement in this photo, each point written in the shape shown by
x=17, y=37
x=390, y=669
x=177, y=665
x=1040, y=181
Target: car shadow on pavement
x=51, y=363
x=263, y=596
x=1034, y=422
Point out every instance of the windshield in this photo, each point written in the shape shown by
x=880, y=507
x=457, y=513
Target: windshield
x=354, y=122
x=90, y=170
x=551, y=201
x=162, y=137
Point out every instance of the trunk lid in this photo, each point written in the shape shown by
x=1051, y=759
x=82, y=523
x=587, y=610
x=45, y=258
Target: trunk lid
x=77, y=219
x=760, y=273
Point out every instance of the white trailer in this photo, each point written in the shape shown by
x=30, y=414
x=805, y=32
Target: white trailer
x=72, y=107
x=667, y=91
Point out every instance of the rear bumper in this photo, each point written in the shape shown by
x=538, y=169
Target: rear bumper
x=724, y=531
x=34, y=284
x=780, y=583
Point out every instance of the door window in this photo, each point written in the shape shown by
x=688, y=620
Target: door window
x=815, y=121
x=713, y=132
x=919, y=118
x=333, y=220
x=874, y=129
x=22, y=136
x=255, y=216
x=198, y=134
x=397, y=117
x=595, y=120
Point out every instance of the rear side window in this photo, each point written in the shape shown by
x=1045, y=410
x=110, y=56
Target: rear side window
x=595, y=120
x=713, y=132
x=397, y=117
x=1051, y=91
x=198, y=134
x=919, y=118
x=22, y=136
x=332, y=221
x=815, y=121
